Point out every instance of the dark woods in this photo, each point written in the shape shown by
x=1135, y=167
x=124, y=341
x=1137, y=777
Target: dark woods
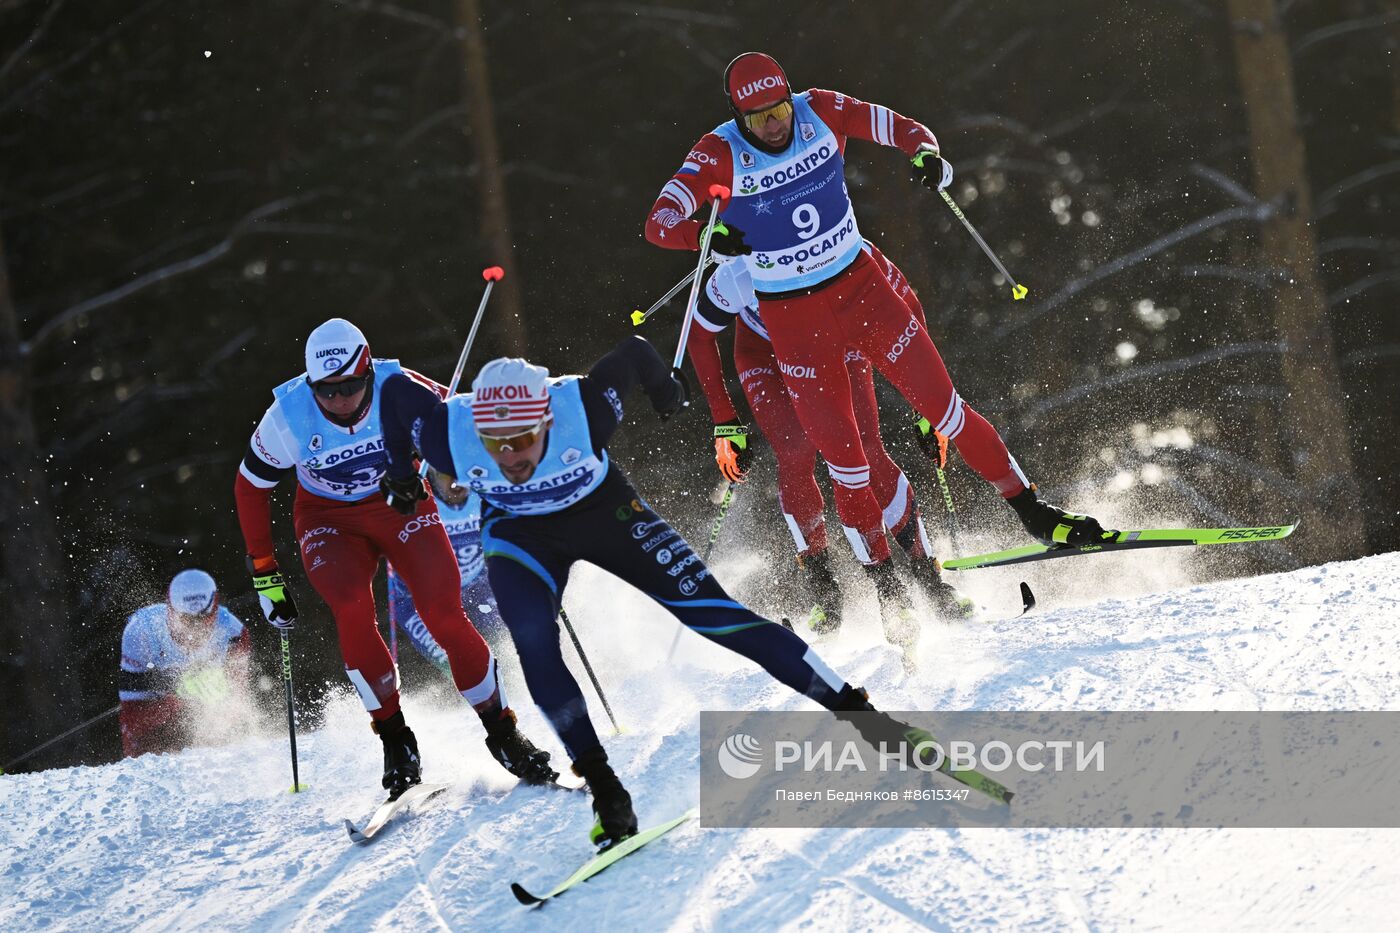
x=1200, y=196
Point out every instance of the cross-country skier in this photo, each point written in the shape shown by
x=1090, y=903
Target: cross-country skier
x=729, y=296
x=461, y=519
x=534, y=448
x=325, y=425
x=176, y=655
x=820, y=293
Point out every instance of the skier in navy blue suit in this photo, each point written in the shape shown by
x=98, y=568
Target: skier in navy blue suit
x=534, y=448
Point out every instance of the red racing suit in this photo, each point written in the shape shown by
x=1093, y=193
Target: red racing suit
x=853, y=307
x=729, y=295
x=342, y=541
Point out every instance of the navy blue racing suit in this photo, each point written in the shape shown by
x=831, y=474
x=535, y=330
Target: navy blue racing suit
x=528, y=556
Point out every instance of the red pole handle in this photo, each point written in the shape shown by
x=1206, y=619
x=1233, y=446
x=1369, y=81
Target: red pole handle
x=719, y=191
x=493, y=273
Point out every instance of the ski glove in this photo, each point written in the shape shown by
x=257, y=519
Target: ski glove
x=933, y=444
x=672, y=396
x=725, y=242
x=403, y=494
x=278, y=607
x=732, y=451
x=930, y=169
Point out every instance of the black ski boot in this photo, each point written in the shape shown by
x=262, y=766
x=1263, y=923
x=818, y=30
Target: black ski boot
x=1051, y=525
x=950, y=605
x=896, y=609
x=517, y=754
x=612, y=805
x=821, y=588
x=401, y=765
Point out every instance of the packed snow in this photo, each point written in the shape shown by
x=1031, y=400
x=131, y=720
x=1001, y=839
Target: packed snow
x=211, y=838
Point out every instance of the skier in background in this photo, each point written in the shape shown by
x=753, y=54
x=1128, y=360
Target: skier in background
x=324, y=425
x=730, y=297
x=820, y=294
x=535, y=449
x=178, y=657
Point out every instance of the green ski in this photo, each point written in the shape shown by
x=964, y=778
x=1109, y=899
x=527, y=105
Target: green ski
x=602, y=860
x=1125, y=541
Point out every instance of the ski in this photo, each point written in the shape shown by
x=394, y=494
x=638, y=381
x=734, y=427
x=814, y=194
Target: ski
x=602, y=860
x=1125, y=541
x=965, y=776
x=386, y=811
x=1027, y=604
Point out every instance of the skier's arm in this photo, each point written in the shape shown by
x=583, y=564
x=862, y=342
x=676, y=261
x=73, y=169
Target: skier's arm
x=860, y=120
x=632, y=362
x=668, y=224
x=267, y=460
x=413, y=417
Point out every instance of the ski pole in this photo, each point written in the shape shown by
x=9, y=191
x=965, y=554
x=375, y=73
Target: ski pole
x=639, y=318
x=578, y=646
x=718, y=193
x=709, y=548
x=297, y=786
x=1018, y=291
x=492, y=275
x=947, y=494
x=58, y=738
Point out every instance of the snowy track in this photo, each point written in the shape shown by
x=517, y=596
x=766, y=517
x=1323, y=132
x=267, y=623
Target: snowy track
x=209, y=838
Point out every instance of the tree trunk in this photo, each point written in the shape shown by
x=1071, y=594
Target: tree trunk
x=495, y=213
x=1314, y=414
x=34, y=624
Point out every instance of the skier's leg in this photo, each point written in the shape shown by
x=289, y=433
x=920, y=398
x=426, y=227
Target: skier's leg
x=680, y=582
x=899, y=345
x=528, y=585
x=811, y=350
x=340, y=565
x=798, y=493
x=887, y=480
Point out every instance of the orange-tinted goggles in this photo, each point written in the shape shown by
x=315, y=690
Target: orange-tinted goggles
x=759, y=118
x=513, y=442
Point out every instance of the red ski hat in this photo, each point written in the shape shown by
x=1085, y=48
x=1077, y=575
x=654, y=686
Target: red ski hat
x=753, y=81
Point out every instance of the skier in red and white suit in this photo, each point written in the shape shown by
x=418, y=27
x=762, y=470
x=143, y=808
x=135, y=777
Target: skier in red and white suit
x=325, y=426
x=729, y=295
x=782, y=157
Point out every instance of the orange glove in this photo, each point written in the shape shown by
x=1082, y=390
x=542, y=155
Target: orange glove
x=732, y=452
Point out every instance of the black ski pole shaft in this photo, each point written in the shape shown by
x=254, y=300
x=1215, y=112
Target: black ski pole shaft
x=597, y=687
x=640, y=317
x=59, y=738
x=1018, y=291
x=297, y=786
x=709, y=548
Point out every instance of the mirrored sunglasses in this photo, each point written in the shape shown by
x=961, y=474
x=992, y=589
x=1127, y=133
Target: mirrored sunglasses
x=759, y=118
x=329, y=390
x=512, y=442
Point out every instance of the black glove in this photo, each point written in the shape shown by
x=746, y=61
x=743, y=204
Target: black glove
x=928, y=439
x=732, y=449
x=726, y=241
x=671, y=396
x=403, y=494
x=275, y=600
x=930, y=169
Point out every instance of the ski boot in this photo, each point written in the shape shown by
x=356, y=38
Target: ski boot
x=517, y=754
x=896, y=610
x=612, y=805
x=401, y=764
x=1051, y=525
x=947, y=602
x=820, y=586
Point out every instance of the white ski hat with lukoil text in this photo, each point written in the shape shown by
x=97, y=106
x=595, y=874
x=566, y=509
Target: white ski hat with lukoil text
x=336, y=348
x=510, y=393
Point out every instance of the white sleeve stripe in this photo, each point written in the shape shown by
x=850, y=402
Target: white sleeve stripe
x=874, y=133
x=680, y=195
x=257, y=481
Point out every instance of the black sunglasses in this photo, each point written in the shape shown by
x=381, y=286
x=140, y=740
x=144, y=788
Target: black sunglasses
x=329, y=390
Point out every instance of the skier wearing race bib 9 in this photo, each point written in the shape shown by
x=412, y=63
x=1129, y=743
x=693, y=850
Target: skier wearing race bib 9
x=820, y=293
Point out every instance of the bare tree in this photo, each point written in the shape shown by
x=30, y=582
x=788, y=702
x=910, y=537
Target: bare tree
x=1314, y=415
x=495, y=211
x=34, y=624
